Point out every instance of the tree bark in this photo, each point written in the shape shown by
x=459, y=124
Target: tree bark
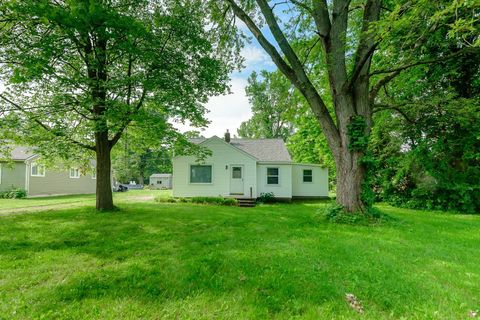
x=350, y=176
x=104, y=183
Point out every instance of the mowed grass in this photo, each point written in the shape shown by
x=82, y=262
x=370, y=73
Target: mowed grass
x=282, y=261
x=39, y=203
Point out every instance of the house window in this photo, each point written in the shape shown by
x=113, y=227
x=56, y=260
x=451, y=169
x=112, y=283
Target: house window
x=200, y=174
x=272, y=175
x=237, y=172
x=159, y=181
x=307, y=175
x=94, y=174
x=0, y=173
x=74, y=173
x=37, y=170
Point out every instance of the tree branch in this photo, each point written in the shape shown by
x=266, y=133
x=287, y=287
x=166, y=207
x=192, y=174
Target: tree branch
x=296, y=74
x=382, y=107
x=367, y=44
x=128, y=119
x=45, y=127
x=376, y=88
x=321, y=17
x=418, y=63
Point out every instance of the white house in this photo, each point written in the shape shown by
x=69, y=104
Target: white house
x=161, y=181
x=246, y=168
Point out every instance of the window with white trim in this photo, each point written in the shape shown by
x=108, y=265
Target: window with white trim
x=94, y=174
x=159, y=181
x=74, y=173
x=200, y=174
x=37, y=170
x=307, y=175
x=272, y=176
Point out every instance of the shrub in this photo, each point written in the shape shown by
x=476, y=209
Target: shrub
x=220, y=201
x=266, y=197
x=14, y=194
x=214, y=201
x=336, y=214
x=165, y=200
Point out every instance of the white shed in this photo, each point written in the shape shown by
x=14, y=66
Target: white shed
x=161, y=181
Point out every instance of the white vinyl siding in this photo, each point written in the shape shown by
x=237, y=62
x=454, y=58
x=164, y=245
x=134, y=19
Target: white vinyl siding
x=200, y=174
x=284, y=187
x=317, y=188
x=37, y=170
x=223, y=158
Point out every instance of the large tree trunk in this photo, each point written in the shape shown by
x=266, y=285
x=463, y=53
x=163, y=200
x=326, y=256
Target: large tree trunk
x=104, y=184
x=350, y=177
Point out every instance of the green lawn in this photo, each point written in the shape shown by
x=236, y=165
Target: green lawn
x=153, y=261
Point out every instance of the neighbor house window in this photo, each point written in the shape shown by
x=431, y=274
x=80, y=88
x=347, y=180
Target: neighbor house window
x=200, y=174
x=94, y=174
x=37, y=170
x=272, y=175
x=159, y=181
x=307, y=175
x=0, y=173
x=74, y=173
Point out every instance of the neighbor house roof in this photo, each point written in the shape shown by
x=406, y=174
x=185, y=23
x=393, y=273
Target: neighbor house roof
x=262, y=149
x=161, y=175
x=21, y=153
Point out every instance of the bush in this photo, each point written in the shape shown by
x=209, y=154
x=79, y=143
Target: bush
x=215, y=201
x=266, y=197
x=14, y=194
x=166, y=200
x=220, y=201
x=336, y=214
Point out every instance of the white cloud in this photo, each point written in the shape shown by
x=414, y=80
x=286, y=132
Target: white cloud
x=254, y=56
x=229, y=111
x=226, y=112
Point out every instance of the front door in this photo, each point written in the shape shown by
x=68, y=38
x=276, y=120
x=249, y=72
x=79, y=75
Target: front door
x=236, y=179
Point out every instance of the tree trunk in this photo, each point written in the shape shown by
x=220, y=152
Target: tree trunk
x=104, y=184
x=350, y=177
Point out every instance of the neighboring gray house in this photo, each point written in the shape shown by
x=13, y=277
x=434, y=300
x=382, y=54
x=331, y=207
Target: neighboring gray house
x=161, y=181
x=24, y=172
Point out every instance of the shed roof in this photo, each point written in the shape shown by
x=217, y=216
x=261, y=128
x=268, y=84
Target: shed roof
x=161, y=175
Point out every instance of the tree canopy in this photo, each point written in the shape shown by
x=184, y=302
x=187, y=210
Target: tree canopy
x=78, y=73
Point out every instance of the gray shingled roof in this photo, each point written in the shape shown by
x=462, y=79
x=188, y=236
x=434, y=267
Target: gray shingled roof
x=262, y=149
x=21, y=153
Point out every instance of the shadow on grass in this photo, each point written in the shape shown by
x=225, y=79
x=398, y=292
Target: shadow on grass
x=280, y=257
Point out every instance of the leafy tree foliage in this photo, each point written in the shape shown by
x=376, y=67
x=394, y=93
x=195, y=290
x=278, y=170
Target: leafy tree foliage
x=78, y=73
x=350, y=36
x=427, y=136
x=271, y=98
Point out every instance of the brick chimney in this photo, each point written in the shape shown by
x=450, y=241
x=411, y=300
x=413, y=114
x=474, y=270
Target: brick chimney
x=227, y=136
